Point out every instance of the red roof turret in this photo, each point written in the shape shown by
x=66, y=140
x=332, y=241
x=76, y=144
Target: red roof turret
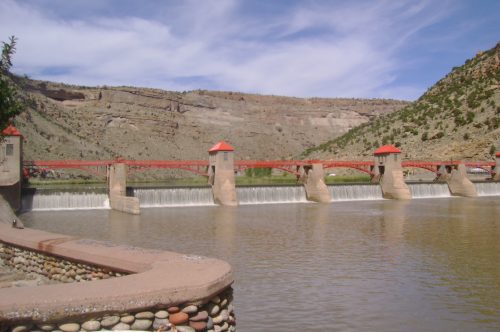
x=221, y=146
x=11, y=131
x=497, y=154
x=387, y=149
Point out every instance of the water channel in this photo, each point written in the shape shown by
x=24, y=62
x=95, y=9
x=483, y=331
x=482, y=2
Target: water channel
x=429, y=264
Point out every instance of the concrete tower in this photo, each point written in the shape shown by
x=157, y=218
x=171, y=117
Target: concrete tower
x=221, y=174
x=117, y=190
x=11, y=166
x=389, y=173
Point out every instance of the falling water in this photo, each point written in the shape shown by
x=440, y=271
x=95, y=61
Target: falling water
x=271, y=194
x=488, y=188
x=355, y=192
x=41, y=200
x=428, y=190
x=164, y=197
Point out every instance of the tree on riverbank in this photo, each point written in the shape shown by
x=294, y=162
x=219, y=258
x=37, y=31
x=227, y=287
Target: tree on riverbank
x=10, y=105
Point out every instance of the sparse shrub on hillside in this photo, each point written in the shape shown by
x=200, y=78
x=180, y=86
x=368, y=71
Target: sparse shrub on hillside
x=460, y=121
x=466, y=136
x=493, y=150
x=470, y=116
x=425, y=136
x=438, y=135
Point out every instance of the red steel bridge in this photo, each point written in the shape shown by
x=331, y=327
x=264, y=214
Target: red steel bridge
x=99, y=167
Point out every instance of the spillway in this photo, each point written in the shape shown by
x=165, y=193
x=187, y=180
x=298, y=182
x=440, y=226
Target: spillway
x=488, y=188
x=429, y=190
x=165, y=197
x=47, y=200
x=271, y=194
x=355, y=192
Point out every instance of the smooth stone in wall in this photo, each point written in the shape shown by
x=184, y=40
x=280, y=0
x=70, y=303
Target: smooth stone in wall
x=215, y=299
x=222, y=317
x=121, y=327
x=201, y=316
x=129, y=319
x=178, y=318
x=110, y=321
x=46, y=327
x=224, y=326
x=210, y=323
x=19, y=260
x=173, y=310
x=144, y=315
x=70, y=327
x=198, y=326
x=225, y=314
x=160, y=323
x=21, y=328
x=223, y=303
x=141, y=324
x=91, y=325
x=184, y=328
x=161, y=314
x=213, y=309
x=190, y=309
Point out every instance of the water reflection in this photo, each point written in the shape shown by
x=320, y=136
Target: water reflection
x=225, y=228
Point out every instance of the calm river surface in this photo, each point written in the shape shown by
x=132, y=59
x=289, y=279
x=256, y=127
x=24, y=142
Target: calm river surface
x=420, y=265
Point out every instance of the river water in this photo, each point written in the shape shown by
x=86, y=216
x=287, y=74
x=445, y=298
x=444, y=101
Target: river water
x=377, y=265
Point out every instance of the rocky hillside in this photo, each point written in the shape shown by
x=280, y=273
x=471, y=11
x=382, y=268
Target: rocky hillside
x=457, y=118
x=72, y=122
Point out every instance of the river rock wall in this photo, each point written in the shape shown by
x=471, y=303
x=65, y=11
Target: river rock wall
x=97, y=285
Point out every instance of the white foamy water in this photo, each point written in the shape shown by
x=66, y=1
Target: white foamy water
x=271, y=194
x=165, y=197
x=355, y=192
x=429, y=190
x=54, y=200
x=488, y=188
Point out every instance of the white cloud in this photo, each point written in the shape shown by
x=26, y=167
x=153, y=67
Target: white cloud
x=309, y=50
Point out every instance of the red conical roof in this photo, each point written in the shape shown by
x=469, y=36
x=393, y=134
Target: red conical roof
x=387, y=149
x=11, y=131
x=497, y=154
x=221, y=146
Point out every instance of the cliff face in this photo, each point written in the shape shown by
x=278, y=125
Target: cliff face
x=457, y=118
x=70, y=122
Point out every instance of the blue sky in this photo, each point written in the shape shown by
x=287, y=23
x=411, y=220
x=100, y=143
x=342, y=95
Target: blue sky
x=315, y=48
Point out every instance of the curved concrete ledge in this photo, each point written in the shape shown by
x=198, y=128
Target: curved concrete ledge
x=157, y=278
